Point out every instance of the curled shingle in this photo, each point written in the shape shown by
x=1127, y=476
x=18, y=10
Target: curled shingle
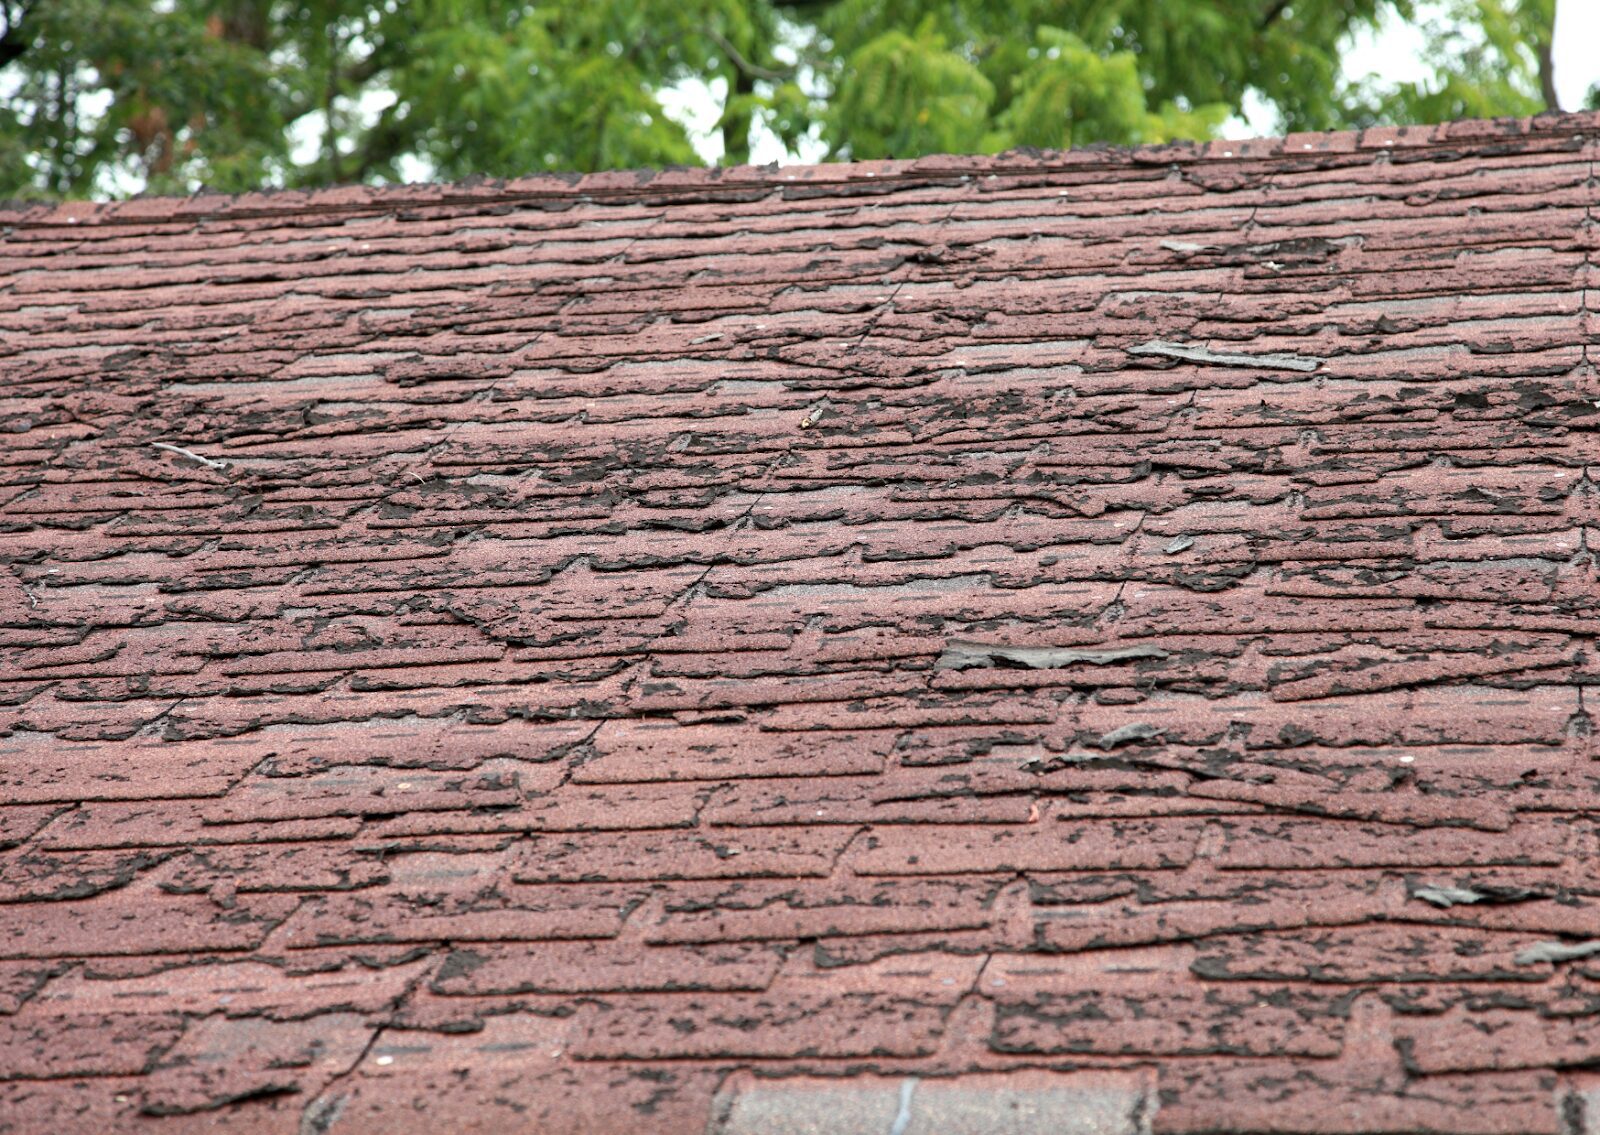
x=963, y=654
x=1205, y=355
x=1557, y=952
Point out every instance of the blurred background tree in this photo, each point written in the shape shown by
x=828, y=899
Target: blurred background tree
x=105, y=97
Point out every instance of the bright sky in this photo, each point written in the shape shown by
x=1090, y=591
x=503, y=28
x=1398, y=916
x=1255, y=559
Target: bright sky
x=1391, y=52
x=1577, y=61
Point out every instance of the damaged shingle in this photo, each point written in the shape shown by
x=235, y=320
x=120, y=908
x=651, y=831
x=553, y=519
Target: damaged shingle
x=1557, y=952
x=1205, y=355
x=1138, y=731
x=1444, y=896
x=962, y=654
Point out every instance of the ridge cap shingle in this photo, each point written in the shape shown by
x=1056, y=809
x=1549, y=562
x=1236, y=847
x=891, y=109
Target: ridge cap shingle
x=1471, y=135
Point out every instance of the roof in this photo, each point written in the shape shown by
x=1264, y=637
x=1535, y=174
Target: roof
x=1097, y=636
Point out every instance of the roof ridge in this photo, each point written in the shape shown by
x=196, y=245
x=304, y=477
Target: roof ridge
x=1473, y=135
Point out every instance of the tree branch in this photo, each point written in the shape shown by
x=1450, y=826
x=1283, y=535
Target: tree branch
x=330, y=92
x=1272, y=14
x=387, y=140
x=736, y=123
x=744, y=66
x=1547, y=73
x=357, y=75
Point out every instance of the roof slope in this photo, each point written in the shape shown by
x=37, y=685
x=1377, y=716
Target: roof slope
x=658, y=650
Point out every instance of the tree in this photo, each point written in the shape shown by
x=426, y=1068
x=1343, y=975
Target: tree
x=110, y=96
x=1490, y=57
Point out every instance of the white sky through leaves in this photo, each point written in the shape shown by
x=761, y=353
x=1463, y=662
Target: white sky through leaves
x=1393, y=52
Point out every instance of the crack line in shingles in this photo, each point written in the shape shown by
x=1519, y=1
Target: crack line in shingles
x=487, y=393
x=688, y=594
x=686, y=597
x=316, y=1125
x=843, y=853
x=244, y=776
x=1588, y=262
x=883, y=309
x=477, y=397
x=148, y=728
x=569, y=768
x=976, y=988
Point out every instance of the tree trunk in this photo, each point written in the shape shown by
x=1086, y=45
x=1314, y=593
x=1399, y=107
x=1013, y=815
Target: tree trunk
x=1547, y=72
x=736, y=123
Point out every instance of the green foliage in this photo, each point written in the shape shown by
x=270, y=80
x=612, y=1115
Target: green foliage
x=1187, y=53
x=183, y=103
x=1067, y=92
x=110, y=96
x=909, y=94
x=1489, y=58
x=497, y=101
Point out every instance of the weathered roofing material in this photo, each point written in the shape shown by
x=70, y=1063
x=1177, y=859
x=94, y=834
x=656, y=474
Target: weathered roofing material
x=1094, y=635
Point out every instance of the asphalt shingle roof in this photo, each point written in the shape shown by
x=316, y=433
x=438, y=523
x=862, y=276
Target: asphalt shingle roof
x=1104, y=632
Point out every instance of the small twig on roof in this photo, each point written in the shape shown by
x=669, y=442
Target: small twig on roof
x=191, y=455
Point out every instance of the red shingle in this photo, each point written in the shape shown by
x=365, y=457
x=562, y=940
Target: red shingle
x=624, y=652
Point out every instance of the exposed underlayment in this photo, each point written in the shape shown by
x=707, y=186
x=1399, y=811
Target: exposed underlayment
x=1090, y=639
